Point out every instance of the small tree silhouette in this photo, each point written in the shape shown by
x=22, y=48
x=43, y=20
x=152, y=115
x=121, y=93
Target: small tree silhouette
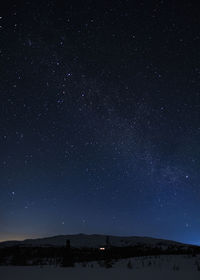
x=68, y=256
x=129, y=265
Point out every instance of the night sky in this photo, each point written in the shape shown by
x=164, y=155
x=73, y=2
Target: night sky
x=100, y=118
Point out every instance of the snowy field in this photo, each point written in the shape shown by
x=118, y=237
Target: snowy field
x=163, y=267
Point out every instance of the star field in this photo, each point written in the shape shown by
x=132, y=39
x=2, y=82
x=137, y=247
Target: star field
x=100, y=119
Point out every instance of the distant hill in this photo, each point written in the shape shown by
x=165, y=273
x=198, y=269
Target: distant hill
x=94, y=241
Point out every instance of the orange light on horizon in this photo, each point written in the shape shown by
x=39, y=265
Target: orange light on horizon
x=11, y=237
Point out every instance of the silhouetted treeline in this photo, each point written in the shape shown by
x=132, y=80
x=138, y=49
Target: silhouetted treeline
x=67, y=256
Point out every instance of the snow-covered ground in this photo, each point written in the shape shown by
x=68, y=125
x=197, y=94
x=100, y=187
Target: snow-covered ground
x=163, y=267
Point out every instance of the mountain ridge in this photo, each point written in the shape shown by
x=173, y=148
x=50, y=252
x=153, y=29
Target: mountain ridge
x=93, y=241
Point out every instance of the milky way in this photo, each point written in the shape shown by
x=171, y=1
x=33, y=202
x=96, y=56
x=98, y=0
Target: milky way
x=100, y=123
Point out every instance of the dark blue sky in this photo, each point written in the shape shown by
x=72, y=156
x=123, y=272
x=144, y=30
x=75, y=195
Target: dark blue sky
x=100, y=118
